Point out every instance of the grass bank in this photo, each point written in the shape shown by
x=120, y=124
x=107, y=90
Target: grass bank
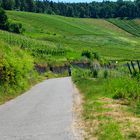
x=110, y=108
x=17, y=72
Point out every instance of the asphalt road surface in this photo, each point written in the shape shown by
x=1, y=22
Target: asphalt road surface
x=42, y=113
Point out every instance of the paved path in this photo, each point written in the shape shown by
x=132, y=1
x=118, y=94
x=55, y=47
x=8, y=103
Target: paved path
x=43, y=113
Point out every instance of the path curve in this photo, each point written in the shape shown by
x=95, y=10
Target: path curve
x=42, y=113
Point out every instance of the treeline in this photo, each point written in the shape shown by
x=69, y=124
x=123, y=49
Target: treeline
x=105, y=9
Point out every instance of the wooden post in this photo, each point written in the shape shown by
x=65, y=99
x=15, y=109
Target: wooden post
x=129, y=68
x=133, y=67
x=138, y=64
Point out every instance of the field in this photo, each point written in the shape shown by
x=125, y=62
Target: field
x=72, y=35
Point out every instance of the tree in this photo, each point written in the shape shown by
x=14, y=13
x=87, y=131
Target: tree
x=0, y=3
x=23, y=5
x=16, y=28
x=3, y=20
x=70, y=11
x=30, y=5
x=82, y=12
x=17, y=4
x=8, y=4
x=138, y=8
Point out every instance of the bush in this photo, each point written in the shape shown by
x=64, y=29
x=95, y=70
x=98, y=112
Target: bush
x=96, y=56
x=16, y=28
x=16, y=68
x=11, y=27
x=86, y=54
x=95, y=73
x=105, y=74
x=3, y=20
x=124, y=88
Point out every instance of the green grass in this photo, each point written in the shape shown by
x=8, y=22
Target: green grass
x=110, y=131
x=75, y=34
x=99, y=97
x=131, y=26
x=107, y=127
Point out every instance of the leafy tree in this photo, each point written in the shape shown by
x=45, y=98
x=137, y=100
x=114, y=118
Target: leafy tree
x=17, y=4
x=23, y=5
x=3, y=19
x=8, y=4
x=5, y=25
x=82, y=12
x=30, y=5
x=70, y=12
x=15, y=28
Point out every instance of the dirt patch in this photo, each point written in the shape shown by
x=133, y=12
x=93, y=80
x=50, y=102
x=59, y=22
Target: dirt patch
x=129, y=122
x=114, y=110
x=78, y=123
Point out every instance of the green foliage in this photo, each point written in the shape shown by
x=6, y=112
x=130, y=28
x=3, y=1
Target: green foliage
x=95, y=73
x=124, y=88
x=8, y=4
x=105, y=74
x=6, y=25
x=74, y=35
x=3, y=20
x=86, y=54
x=96, y=56
x=130, y=26
x=15, y=28
x=16, y=70
x=110, y=131
x=103, y=9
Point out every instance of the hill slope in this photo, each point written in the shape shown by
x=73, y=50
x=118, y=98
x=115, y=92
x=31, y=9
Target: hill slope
x=131, y=26
x=71, y=35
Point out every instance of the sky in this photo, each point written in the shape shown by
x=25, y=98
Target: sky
x=75, y=0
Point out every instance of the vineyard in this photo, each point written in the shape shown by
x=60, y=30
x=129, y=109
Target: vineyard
x=74, y=35
x=131, y=26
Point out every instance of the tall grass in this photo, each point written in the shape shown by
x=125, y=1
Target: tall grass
x=98, y=122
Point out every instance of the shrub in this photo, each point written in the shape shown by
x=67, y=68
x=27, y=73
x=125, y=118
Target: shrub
x=16, y=67
x=124, y=88
x=86, y=54
x=96, y=56
x=3, y=20
x=95, y=73
x=105, y=74
x=15, y=28
x=11, y=27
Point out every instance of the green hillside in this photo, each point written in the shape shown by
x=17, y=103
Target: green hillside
x=131, y=26
x=70, y=36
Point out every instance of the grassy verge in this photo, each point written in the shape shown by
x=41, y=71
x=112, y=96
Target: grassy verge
x=106, y=106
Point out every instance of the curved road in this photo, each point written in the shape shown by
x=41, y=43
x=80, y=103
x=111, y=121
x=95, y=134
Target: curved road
x=42, y=113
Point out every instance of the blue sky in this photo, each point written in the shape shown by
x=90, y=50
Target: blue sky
x=75, y=0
